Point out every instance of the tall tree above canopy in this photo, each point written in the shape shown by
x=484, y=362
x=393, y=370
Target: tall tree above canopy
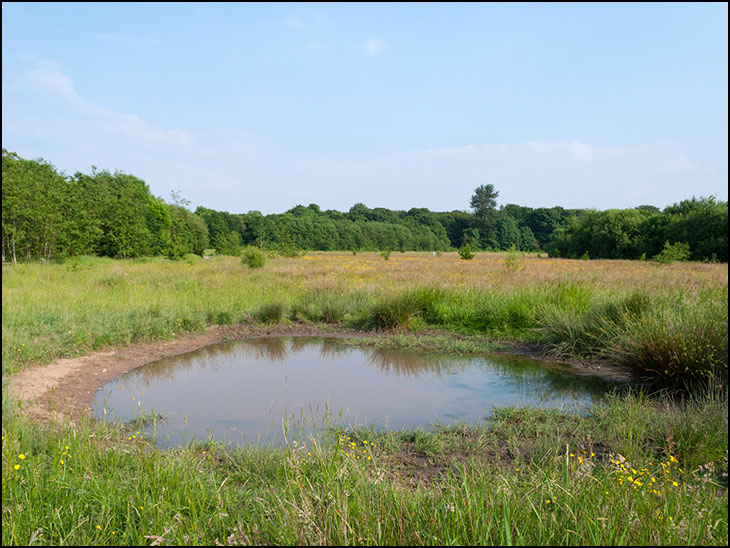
x=484, y=201
x=484, y=205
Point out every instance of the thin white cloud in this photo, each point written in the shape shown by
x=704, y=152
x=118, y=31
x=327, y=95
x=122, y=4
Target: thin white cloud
x=47, y=79
x=294, y=22
x=372, y=47
x=237, y=171
x=535, y=174
x=127, y=40
x=315, y=44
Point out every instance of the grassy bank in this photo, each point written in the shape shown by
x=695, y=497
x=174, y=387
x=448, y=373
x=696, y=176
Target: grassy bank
x=669, y=322
x=632, y=471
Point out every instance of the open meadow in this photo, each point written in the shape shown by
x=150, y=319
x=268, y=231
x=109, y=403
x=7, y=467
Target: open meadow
x=645, y=467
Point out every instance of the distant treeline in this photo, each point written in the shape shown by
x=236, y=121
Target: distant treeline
x=46, y=214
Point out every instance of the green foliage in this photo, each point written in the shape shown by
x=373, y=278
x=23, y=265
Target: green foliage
x=188, y=231
x=678, y=251
x=289, y=250
x=208, y=493
x=391, y=312
x=385, y=254
x=158, y=222
x=465, y=252
x=514, y=260
x=253, y=257
x=228, y=244
x=668, y=343
x=508, y=234
x=484, y=201
x=48, y=215
x=684, y=349
x=633, y=233
x=270, y=313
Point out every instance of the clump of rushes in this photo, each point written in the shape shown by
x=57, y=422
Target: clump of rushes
x=685, y=350
x=270, y=313
x=571, y=333
x=253, y=257
x=333, y=308
x=391, y=312
x=666, y=344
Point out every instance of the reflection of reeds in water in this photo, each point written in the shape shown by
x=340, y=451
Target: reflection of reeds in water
x=525, y=374
x=551, y=380
x=412, y=364
x=273, y=349
x=333, y=349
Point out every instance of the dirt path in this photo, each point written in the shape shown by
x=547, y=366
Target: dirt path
x=63, y=390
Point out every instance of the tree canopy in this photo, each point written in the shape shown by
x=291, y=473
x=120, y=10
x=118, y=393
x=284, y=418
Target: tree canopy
x=47, y=214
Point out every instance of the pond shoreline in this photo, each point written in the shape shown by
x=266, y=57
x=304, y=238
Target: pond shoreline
x=62, y=391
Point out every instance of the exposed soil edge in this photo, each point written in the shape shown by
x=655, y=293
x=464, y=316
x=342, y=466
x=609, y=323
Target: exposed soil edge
x=62, y=391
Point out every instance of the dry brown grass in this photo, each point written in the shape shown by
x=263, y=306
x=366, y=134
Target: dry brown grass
x=368, y=272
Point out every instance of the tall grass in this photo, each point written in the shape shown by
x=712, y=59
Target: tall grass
x=631, y=472
x=586, y=309
x=526, y=476
x=668, y=342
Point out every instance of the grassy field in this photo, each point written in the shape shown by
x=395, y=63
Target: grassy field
x=635, y=470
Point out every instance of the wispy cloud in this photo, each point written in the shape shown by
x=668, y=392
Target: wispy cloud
x=372, y=47
x=536, y=174
x=46, y=78
x=294, y=22
x=128, y=40
x=315, y=44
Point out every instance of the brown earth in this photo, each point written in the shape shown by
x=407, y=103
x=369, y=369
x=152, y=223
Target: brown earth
x=63, y=390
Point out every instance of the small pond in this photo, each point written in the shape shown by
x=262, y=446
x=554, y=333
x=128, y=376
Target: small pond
x=263, y=390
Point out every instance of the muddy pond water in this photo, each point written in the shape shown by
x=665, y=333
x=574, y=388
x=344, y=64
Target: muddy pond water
x=267, y=390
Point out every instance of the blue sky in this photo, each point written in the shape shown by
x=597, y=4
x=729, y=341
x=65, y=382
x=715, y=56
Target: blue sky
x=265, y=106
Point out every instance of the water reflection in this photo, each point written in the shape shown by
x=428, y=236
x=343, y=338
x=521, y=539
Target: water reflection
x=242, y=389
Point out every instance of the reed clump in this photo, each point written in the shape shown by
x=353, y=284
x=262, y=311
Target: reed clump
x=271, y=313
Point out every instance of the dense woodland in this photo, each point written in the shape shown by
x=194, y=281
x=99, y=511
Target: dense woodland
x=48, y=215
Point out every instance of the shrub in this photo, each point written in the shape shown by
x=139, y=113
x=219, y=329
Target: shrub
x=678, y=251
x=665, y=344
x=229, y=244
x=175, y=252
x=253, y=257
x=385, y=254
x=573, y=333
x=514, y=259
x=465, y=252
x=290, y=250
